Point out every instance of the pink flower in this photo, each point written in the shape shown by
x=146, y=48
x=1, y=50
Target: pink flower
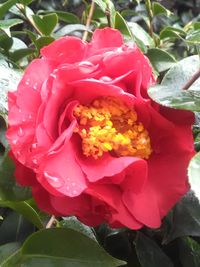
x=90, y=142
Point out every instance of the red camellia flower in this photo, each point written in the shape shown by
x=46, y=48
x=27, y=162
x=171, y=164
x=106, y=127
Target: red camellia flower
x=90, y=142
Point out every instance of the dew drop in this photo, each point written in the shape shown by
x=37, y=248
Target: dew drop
x=20, y=132
x=18, y=153
x=23, y=120
x=35, y=161
x=73, y=184
x=35, y=86
x=85, y=63
x=54, y=180
x=20, y=110
x=34, y=145
x=30, y=116
x=74, y=192
x=67, y=188
x=14, y=142
x=105, y=79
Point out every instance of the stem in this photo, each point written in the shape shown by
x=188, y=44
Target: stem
x=192, y=80
x=51, y=222
x=108, y=16
x=88, y=22
x=150, y=15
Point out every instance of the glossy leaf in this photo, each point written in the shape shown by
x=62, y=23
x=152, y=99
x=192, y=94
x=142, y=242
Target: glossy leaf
x=122, y=26
x=5, y=25
x=193, y=37
x=21, y=53
x=9, y=189
x=194, y=175
x=189, y=252
x=6, y=6
x=64, y=247
x=24, y=209
x=45, y=24
x=7, y=251
x=160, y=59
x=150, y=254
x=186, y=218
x=169, y=92
x=159, y=9
x=75, y=224
x=139, y=33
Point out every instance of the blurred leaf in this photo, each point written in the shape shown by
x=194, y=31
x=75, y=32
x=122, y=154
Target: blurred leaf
x=65, y=16
x=5, y=25
x=15, y=228
x=45, y=24
x=171, y=32
x=74, y=224
x=101, y=4
x=186, y=218
x=160, y=59
x=159, y=9
x=7, y=251
x=194, y=175
x=21, y=53
x=26, y=210
x=189, y=252
x=9, y=78
x=64, y=247
x=122, y=26
x=169, y=93
x=5, y=41
x=3, y=128
x=6, y=6
x=25, y=2
x=141, y=34
x=193, y=37
x=43, y=41
x=149, y=253
x=69, y=29
x=9, y=189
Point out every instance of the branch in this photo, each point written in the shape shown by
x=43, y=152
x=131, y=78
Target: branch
x=51, y=222
x=192, y=80
x=88, y=22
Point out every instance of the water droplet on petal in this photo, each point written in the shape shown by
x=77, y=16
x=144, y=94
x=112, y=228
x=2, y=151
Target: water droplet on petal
x=34, y=145
x=105, y=79
x=35, y=86
x=20, y=110
x=74, y=192
x=14, y=142
x=35, y=161
x=54, y=179
x=30, y=116
x=20, y=132
x=23, y=120
x=73, y=184
x=18, y=153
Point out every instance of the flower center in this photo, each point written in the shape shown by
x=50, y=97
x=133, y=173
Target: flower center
x=108, y=125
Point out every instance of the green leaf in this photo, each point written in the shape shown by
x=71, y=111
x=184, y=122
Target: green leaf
x=5, y=41
x=5, y=25
x=122, y=26
x=186, y=218
x=9, y=189
x=45, y=24
x=159, y=9
x=6, y=6
x=194, y=175
x=150, y=254
x=160, y=59
x=43, y=41
x=169, y=93
x=171, y=32
x=21, y=53
x=3, y=128
x=26, y=210
x=64, y=247
x=9, y=78
x=193, y=37
x=101, y=4
x=25, y=2
x=141, y=34
x=7, y=251
x=189, y=252
x=75, y=224
x=69, y=29
x=65, y=16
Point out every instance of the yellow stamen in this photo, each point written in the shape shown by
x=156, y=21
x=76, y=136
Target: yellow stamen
x=108, y=125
